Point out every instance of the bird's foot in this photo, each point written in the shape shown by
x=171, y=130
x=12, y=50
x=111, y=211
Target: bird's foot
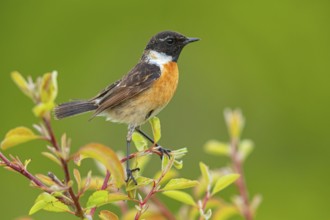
x=129, y=174
x=163, y=151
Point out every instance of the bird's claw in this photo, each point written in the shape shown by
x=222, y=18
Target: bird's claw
x=164, y=151
x=129, y=174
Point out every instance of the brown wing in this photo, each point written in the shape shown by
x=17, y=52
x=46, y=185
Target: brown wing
x=137, y=80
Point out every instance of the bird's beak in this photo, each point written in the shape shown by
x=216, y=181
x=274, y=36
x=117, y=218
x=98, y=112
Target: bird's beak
x=190, y=40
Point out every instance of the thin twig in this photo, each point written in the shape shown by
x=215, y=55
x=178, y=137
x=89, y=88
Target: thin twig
x=24, y=172
x=205, y=200
x=151, y=150
x=145, y=200
x=55, y=179
x=123, y=206
x=240, y=183
x=153, y=190
x=53, y=141
x=163, y=209
x=31, y=177
x=103, y=187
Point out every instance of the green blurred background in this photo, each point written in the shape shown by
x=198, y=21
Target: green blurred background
x=269, y=58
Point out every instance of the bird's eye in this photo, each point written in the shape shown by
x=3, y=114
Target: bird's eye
x=170, y=41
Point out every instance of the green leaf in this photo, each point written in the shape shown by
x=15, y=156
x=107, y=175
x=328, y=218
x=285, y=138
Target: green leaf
x=21, y=83
x=139, y=141
x=45, y=179
x=26, y=163
x=87, y=181
x=115, y=197
x=65, y=147
x=107, y=157
x=47, y=92
x=37, y=207
x=103, y=197
x=97, y=199
x=132, y=193
x=206, y=180
x=208, y=214
x=155, y=125
x=107, y=215
x=245, y=148
x=165, y=161
x=180, y=183
x=179, y=153
x=178, y=164
x=17, y=136
x=141, y=181
x=205, y=173
x=41, y=109
x=226, y=212
x=180, y=196
x=141, y=162
x=52, y=157
x=217, y=148
x=169, y=175
x=255, y=203
x=95, y=183
x=77, y=177
x=235, y=122
x=49, y=203
x=224, y=181
x=48, y=87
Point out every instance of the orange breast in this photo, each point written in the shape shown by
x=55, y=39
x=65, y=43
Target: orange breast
x=153, y=100
x=164, y=88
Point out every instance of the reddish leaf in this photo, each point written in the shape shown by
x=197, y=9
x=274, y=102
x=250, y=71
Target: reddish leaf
x=107, y=157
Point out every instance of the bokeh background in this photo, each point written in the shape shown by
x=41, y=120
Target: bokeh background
x=269, y=58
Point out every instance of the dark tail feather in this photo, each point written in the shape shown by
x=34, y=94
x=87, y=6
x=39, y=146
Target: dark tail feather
x=73, y=108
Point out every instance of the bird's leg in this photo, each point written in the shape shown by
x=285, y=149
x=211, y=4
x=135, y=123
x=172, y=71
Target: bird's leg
x=129, y=172
x=160, y=149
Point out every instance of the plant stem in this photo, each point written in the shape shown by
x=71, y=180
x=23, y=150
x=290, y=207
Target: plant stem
x=103, y=187
x=106, y=180
x=52, y=140
x=163, y=209
x=31, y=177
x=123, y=207
x=147, y=151
x=145, y=200
x=24, y=172
x=153, y=191
x=240, y=183
x=205, y=200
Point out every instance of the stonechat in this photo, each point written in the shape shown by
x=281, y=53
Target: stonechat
x=142, y=93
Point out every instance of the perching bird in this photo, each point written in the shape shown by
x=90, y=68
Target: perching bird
x=142, y=93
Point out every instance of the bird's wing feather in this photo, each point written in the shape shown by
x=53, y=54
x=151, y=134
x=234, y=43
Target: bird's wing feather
x=136, y=81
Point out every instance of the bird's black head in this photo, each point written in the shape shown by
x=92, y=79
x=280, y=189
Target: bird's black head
x=169, y=43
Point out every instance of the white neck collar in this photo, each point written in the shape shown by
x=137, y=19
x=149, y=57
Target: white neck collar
x=158, y=59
